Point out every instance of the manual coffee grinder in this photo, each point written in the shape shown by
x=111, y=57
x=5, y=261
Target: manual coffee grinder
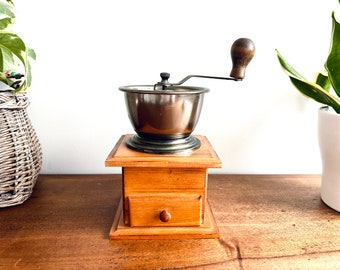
x=164, y=166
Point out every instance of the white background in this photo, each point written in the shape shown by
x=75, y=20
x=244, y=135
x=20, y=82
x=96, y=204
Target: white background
x=87, y=49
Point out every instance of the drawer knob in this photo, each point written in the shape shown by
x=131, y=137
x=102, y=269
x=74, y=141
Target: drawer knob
x=165, y=216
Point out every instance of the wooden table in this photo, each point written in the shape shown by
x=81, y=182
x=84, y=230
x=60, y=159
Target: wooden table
x=265, y=222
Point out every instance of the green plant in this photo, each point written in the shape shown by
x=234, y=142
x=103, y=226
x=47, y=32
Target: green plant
x=15, y=56
x=325, y=88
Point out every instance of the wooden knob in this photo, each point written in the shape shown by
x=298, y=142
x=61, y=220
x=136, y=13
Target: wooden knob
x=242, y=51
x=165, y=216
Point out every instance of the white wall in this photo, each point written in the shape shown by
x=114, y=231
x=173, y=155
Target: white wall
x=87, y=49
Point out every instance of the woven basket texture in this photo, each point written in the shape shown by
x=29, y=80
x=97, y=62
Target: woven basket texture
x=20, y=150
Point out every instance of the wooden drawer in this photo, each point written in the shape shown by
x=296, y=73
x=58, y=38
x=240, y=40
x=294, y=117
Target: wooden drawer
x=165, y=209
x=164, y=180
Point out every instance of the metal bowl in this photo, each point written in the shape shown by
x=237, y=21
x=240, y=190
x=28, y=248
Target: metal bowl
x=163, y=115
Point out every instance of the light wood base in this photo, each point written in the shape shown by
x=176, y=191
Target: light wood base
x=121, y=231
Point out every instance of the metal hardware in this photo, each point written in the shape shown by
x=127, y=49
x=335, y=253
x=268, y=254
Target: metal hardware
x=242, y=51
x=165, y=114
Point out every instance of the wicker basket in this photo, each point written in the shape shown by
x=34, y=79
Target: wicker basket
x=20, y=151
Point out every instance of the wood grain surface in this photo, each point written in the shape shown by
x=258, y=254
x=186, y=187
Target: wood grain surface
x=265, y=222
x=122, y=156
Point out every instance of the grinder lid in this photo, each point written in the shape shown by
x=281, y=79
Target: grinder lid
x=169, y=90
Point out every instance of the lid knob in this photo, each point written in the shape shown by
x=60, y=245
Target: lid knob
x=164, y=82
x=165, y=77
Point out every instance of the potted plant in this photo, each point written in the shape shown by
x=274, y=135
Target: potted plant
x=20, y=151
x=325, y=89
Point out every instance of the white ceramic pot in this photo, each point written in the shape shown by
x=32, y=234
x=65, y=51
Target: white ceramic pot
x=329, y=143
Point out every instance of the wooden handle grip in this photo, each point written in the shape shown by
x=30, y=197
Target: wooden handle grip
x=242, y=51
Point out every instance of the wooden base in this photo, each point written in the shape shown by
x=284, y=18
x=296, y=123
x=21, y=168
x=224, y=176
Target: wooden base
x=121, y=231
x=175, y=184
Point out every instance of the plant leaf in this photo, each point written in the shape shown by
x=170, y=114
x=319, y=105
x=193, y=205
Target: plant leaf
x=287, y=67
x=332, y=64
x=309, y=89
x=10, y=2
x=12, y=44
x=315, y=92
x=13, y=52
x=7, y=16
x=12, y=49
x=321, y=79
x=6, y=59
x=30, y=55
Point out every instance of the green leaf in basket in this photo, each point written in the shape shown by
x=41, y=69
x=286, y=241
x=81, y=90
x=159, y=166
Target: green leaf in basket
x=7, y=16
x=13, y=54
x=12, y=44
